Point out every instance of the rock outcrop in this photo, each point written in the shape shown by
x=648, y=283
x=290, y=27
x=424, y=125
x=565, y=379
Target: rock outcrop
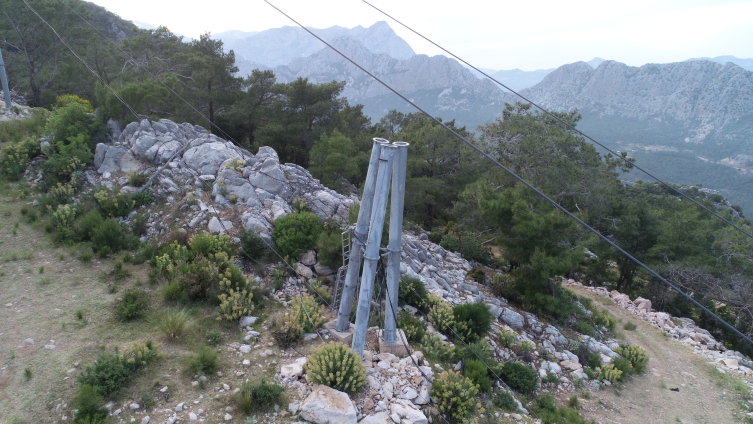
x=198, y=162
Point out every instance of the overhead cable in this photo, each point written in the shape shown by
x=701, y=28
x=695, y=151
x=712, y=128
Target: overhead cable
x=521, y=180
x=572, y=128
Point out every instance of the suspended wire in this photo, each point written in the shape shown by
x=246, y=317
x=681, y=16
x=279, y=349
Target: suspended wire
x=572, y=128
x=139, y=119
x=523, y=181
x=82, y=61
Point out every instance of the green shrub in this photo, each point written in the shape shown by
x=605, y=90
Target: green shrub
x=478, y=374
x=443, y=319
x=550, y=413
x=260, y=394
x=411, y=291
x=71, y=121
x=585, y=328
x=234, y=302
x=436, y=237
x=296, y=233
x=310, y=315
x=467, y=246
x=518, y=376
x=252, y=246
x=456, y=396
x=110, y=373
x=505, y=401
x=173, y=292
x=636, y=356
x=109, y=237
x=624, y=366
x=132, y=306
x=573, y=402
x=137, y=179
x=630, y=326
x=507, y=338
x=434, y=348
x=594, y=360
x=476, y=316
x=209, y=246
x=329, y=245
x=336, y=366
x=89, y=406
x=413, y=327
x=477, y=274
x=550, y=378
x=138, y=224
x=604, y=319
x=501, y=285
x=214, y=338
x=610, y=373
x=205, y=361
x=16, y=157
x=323, y=295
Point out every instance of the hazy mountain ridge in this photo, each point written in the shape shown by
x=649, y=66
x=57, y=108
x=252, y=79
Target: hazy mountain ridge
x=709, y=101
x=445, y=87
x=743, y=63
x=278, y=46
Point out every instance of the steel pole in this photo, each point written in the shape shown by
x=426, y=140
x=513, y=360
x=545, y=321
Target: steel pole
x=359, y=237
x=399, y=164
x=371, y=256
x=4, y=79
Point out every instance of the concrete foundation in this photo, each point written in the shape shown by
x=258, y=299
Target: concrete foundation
x=397, y=348
x=345, y=337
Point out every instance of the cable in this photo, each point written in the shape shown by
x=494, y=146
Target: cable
x=82, y=61
x=523, y=181
x=139, y=118
x=560, y=120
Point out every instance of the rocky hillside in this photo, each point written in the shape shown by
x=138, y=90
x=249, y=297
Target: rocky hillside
x=441, y=85
x=700, y=102
x=278, y=46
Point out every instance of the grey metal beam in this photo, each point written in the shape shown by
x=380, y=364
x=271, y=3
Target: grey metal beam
x=4, y=80
x=359, y=237
x=371, y=255
x=396, y=235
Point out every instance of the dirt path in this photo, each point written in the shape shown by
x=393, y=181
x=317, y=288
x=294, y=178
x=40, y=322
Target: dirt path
x=703, y=396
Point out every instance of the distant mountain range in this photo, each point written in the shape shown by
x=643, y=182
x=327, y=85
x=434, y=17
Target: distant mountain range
x=278, y=46
x=689, y=122
x=743, y=63
x=439, y=84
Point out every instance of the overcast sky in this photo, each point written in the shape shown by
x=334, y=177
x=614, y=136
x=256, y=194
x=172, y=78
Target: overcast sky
x=530, y=34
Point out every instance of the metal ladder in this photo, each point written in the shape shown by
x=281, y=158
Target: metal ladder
x=345, y=238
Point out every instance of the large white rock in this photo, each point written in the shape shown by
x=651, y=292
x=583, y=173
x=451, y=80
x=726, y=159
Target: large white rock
x=207, y=158
x=215, y=227
x=295, y=369
x=328, y=406
x=512, y=318
x=378, y=418
x=409, y=415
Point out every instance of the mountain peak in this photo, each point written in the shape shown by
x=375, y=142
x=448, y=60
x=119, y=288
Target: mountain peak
x=278, y=46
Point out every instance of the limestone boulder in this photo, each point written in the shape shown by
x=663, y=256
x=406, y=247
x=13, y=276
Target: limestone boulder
x=378, y=418
x=512, y=318
x=207, y=158
x=328, y=406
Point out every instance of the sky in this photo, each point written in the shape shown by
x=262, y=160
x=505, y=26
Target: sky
x=528, y=35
